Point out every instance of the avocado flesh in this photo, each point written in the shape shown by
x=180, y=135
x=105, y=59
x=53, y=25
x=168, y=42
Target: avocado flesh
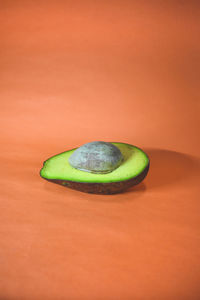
x=132, y=171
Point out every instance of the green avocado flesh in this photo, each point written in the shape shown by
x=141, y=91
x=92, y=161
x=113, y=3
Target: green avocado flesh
x=58, y=167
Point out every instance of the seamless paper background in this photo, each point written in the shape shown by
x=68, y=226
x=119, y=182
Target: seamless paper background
x=79, y=71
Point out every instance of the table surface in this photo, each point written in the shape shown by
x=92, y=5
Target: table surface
x=120, y=71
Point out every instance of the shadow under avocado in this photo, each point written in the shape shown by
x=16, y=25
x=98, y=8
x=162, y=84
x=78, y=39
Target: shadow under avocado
x=166, y=168
x=170, y=167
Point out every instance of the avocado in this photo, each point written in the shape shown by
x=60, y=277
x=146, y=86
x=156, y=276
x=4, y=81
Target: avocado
x=98, y=167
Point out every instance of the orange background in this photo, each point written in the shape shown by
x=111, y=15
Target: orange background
x=79, y=71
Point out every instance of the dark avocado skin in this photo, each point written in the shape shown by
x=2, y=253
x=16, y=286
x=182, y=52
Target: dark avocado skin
x=107, y=188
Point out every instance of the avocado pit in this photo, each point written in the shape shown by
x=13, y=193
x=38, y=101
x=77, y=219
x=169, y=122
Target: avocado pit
x=96, y=157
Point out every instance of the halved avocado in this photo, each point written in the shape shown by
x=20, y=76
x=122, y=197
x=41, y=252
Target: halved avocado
x=132, y=171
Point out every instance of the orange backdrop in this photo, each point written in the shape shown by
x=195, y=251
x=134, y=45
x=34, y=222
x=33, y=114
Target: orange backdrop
x=79, y=71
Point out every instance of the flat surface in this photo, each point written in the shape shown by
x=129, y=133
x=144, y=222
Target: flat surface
x=79, y=71
x=134, y=163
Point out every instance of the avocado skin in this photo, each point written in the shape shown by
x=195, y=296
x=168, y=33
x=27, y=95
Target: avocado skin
x=107, y=188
